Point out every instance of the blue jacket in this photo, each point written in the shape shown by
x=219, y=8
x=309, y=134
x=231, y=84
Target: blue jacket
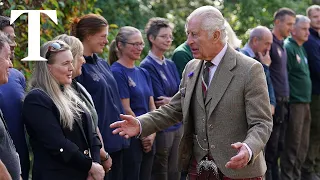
x=11, y=95
x=312, y=47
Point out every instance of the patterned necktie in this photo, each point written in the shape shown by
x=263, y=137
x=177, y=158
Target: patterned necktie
x=205, y=77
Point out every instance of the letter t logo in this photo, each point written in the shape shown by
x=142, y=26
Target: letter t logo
x=34, y=30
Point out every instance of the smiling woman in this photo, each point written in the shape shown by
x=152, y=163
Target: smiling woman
x=136, y=95
x=59, y=124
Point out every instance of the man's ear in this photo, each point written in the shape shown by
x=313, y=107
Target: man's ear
x=255, y=41
x=216, y=35
x=276, y=22
x=293, y=32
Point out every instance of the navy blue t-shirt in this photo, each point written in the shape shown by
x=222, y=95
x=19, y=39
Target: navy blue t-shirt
x=165, y=80
x=97, y=78
x=135, y=84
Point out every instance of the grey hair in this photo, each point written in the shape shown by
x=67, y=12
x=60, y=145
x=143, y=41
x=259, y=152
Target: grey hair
x=301, y=19
x=4, y=22
x=212, y=20
x=75, y=44
x=67, y=102
x=258, y=32
x=3, y=39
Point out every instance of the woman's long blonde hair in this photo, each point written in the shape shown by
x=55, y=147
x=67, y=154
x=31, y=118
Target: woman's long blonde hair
x=67, y=102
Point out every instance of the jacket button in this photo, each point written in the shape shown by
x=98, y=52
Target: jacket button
x=61, y=150
x=211, y=126
x=213, y=146
x=86, y=152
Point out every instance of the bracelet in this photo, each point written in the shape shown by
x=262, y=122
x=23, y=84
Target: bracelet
x=106, y=157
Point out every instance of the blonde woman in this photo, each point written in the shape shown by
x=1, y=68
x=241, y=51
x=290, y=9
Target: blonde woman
x=64, y=144
x=76, y=48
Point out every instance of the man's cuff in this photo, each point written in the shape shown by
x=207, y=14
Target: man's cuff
x=138, y=136
x=245, y=144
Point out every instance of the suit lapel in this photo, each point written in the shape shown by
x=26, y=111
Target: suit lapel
x=195, y=69
x=221, y=80
x=199, y=91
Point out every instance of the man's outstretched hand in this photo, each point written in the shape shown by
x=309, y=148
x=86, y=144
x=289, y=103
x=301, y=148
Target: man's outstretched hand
x=240, y=160
x=128, y=127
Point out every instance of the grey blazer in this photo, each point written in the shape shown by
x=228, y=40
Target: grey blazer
x=237, y=107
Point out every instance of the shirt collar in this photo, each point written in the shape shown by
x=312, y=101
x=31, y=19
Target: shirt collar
x=248, y=49
x=157, y=59
x=216, y=60
x=91, y=59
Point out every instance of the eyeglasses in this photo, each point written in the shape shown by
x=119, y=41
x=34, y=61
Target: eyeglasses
x=53, y=47
x=166, y=37
x=136, y=45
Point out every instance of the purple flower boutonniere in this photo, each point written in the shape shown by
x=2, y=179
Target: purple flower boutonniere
x=190, y=74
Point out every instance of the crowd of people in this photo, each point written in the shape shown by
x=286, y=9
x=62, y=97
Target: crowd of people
x=216, y=111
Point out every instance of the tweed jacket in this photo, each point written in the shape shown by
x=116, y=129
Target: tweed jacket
x=237, y=109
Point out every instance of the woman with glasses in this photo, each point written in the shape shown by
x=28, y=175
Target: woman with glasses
x=65, y=146
x=137, y=98
x=165, y=82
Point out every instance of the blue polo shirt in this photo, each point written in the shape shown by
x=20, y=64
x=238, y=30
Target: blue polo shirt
x=312, y=47
x=278, y=68
x=11, y=96
x=98, y=79
x=135, y=84
x=165, y=79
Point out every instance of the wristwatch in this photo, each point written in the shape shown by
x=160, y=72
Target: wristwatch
x=106, y=157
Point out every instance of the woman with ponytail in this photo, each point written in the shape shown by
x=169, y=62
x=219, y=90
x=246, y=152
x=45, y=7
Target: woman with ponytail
x=97, y=78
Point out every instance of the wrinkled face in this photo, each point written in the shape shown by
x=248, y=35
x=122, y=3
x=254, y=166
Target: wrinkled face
x=61, y=68
x=163, y=40
x=133, y=47
x=12, y=36
x=315, y=19
x=286, y=25
x=78, y=62
x=98, y=41
x=199, y=41
x=5, y=63
x=301, y=32
x=262, y=45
